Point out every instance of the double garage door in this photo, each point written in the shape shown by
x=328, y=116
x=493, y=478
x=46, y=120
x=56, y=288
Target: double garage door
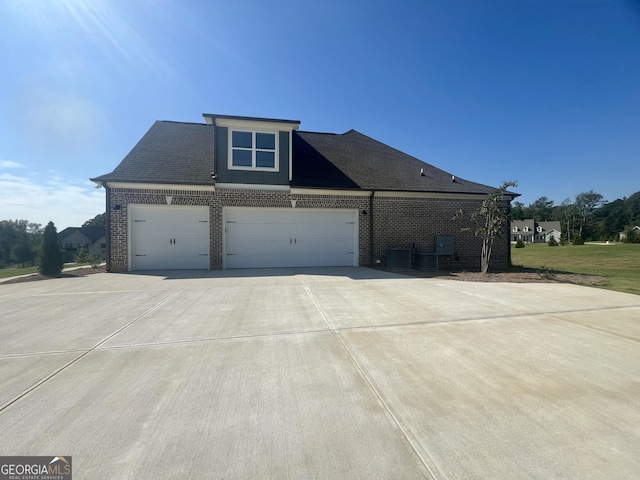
x=169, y=237
x=287, y=237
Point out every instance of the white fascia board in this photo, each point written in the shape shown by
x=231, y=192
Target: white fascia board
x=256, y=125
x=452, y=196
x=161, y=186
x=252, y=186
x=325, y=191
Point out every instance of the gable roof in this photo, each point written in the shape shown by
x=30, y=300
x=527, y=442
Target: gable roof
x=354, y=160
x=170, y=152
x=92, y=233
x=182, y=153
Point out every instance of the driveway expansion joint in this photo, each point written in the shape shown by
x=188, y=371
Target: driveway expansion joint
x=428, y=466
x=84, y=353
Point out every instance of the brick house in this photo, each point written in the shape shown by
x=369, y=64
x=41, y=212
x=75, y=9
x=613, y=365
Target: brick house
x=240, y=192
x=74, y=239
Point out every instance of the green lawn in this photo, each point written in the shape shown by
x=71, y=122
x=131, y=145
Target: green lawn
x=619, y=262
x=14, y=272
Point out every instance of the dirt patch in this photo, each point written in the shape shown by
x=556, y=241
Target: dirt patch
x=77, y=272
x=517, y=276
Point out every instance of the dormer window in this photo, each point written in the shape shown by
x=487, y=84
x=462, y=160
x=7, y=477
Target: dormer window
x=515, y=229
x=252, y=150
x=525, y=229
x=539, y=229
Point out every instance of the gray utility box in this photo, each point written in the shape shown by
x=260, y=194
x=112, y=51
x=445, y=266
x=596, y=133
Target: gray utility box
x=399, y=258
x=444, y=245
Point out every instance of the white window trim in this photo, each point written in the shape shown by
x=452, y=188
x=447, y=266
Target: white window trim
x=254, y=149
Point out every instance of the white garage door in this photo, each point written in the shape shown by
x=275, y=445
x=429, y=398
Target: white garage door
x=169, y=237
x=287, y=237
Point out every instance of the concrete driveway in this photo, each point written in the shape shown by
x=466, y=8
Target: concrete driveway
x=320, y=373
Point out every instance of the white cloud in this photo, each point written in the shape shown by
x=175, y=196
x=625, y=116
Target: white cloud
x=9, y=164
x=67, y=204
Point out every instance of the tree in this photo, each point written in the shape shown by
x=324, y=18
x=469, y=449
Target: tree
x=517, y=211
x=586, y=203
x=490, y=218
x=542, y=209
x=22, y=253
x=566, y=212
x=51, y=261
x=631, y=235
x=97, y=221
x=17, y=237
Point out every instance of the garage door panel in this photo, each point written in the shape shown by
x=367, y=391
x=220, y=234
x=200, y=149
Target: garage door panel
x=165, y=237
x=257, y=246
x=257, y=231
x=327, y=246
x=280, y=237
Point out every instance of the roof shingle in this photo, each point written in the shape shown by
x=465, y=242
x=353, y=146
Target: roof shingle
x=354, y=160
x=170, y=152
x=182, y=153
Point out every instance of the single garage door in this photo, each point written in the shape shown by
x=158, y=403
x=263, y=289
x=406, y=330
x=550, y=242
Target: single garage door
x=169, y=237
x=288, y=237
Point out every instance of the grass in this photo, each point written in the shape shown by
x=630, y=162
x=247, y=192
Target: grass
x=14, y=271
x=618, y=262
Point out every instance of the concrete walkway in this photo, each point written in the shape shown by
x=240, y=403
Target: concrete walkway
x=320, y=373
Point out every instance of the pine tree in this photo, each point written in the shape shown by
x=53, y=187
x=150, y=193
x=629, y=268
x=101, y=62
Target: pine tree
x=51, y=261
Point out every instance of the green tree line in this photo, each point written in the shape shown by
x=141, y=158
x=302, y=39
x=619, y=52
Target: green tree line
x=588, y=215
x=21, y=241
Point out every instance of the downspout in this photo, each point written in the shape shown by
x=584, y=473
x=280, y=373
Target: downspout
x=107, y=226
x=508, y=235
x=371, y=243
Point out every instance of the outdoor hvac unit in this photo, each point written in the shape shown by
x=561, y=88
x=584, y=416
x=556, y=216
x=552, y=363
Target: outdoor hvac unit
x=399, y=258
x=425, y=261
x=444, y=245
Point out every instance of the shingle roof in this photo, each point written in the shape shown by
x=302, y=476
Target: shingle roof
x=92, y=233
x=170, y=152
x=182, y=153
x=354, y=160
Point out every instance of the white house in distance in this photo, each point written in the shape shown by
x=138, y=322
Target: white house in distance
x=530, y=231
x=622, y=235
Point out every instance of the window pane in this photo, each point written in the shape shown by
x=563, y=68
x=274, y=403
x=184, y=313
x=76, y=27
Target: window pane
x=241, y=139
x=241, y=158
x=266, y=141
x=265, y=159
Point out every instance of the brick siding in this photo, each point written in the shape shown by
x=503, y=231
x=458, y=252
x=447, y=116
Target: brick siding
x=398, y=221
x=415, y=222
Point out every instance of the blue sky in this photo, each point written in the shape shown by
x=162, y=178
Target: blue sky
x=543, y=92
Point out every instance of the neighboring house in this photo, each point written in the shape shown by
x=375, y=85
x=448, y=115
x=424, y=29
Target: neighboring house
x=73, y=239
x=530, y=231
x=623, y=236
x=240, y=192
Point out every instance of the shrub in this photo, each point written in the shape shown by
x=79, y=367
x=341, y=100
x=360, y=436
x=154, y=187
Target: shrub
x=552, y=242
x=52, y=262
x=95, y=261
x=519, y=244
x=82, y=256
x=546, y=273
x=577, y=240
x=631, y=235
